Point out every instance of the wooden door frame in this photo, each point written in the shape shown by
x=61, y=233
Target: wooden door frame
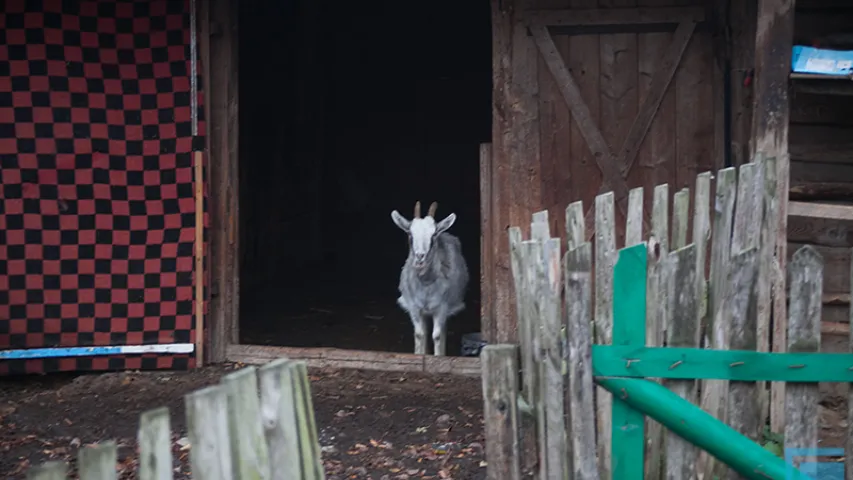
x=614, y=166
x=218, y=41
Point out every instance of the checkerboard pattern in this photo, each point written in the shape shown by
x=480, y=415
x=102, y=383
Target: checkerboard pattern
x=96, y=180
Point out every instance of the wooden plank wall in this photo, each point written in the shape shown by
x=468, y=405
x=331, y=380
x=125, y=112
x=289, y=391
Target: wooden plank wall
x=821, y=146
x=541, y=159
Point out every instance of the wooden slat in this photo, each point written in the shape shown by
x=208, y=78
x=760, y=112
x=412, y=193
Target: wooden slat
x=694, y=128
x=828, y=191
x=614, y=16
x=488, y=326
x=580, y=398
x=524, y=148
x=836, y=268
x=820, y=210
x=818, y=111
x=774, y=33
x=500, y=390
x=802, y=424
x=612, y=177
x=719, y=322
x=660, y=83
x=767, y=203
x=818, y=231
x=605, y=259
x=656, y=159
x=656, y=310
x=743, y=405
x=556, y=449
x=683, y=332
x=555, y=134
x=583, y=56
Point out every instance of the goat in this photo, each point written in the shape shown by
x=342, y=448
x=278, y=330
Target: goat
x=434, y=277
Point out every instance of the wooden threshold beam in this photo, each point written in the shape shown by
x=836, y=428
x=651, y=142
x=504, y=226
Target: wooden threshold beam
x=614, y=16
x=824, y=211
x=359, y=359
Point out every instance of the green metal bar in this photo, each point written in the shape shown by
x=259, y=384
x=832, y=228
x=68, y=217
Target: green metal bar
x=701, y=429
x=738, y=365
x=629, y=329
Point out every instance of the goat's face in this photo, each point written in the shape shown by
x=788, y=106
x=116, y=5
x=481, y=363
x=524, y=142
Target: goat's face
x=422, y=233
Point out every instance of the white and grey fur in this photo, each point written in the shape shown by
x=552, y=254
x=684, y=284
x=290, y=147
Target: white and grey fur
x=434, y=278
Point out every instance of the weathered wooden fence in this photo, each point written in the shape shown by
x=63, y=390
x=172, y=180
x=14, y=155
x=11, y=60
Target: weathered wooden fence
x=660, y=339
x=234, y=433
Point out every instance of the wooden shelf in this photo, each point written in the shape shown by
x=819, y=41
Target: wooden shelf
x=822, y=84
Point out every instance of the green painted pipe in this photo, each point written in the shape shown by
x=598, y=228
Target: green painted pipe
x=701, y=429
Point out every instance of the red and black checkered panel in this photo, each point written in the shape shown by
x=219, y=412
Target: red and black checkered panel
x=97, y=210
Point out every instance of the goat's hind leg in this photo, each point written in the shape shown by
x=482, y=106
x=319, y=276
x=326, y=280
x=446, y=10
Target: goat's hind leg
x=419, y=322
x=439, y=335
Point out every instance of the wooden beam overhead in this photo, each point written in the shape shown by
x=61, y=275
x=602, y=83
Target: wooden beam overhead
x=614, y=16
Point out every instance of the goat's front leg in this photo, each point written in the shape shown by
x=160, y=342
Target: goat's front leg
x=439, y=335
x=419, y=322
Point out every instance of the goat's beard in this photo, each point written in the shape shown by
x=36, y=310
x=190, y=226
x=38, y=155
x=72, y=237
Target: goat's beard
x=421, y=267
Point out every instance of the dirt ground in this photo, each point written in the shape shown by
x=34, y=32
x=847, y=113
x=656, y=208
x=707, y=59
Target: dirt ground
x=372, y=425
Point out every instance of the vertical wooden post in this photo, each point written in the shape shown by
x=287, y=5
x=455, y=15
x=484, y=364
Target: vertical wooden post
x=771, y=109
x=527, y=324
x=504, y=304
x=199, y=257
x=578, y=287
x=219, y=47
x=656, y=311
x=683, y=332
x=500, y=391
x=53, y=470
x=98, y=462
x=155, y=445
x=487, y=277
x=742, y=409
x=719, y=322
x=802, y=425
x=207, y=426
x=605, y=259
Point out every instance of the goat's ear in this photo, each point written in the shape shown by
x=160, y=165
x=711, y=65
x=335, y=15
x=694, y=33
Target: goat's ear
x=445, y=224
x=400, y=221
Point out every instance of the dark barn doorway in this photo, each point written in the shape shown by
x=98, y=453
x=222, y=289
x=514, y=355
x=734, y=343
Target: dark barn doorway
x=349, y=110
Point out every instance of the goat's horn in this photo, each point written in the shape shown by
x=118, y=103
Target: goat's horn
x=418, y=209
x=432, y=209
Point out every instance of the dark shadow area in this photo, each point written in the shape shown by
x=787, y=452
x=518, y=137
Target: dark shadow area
x=349, y=110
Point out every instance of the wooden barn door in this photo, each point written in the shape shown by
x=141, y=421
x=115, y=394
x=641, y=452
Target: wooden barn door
x=619, y=85
x=629, y=128
x=594, y=96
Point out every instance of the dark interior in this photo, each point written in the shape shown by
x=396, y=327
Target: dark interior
x=349, y=110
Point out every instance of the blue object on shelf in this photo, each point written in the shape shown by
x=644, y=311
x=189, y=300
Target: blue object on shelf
x=821, y=61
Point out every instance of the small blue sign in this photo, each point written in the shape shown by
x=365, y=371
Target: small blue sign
x=830, y=469
x=821, y=61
